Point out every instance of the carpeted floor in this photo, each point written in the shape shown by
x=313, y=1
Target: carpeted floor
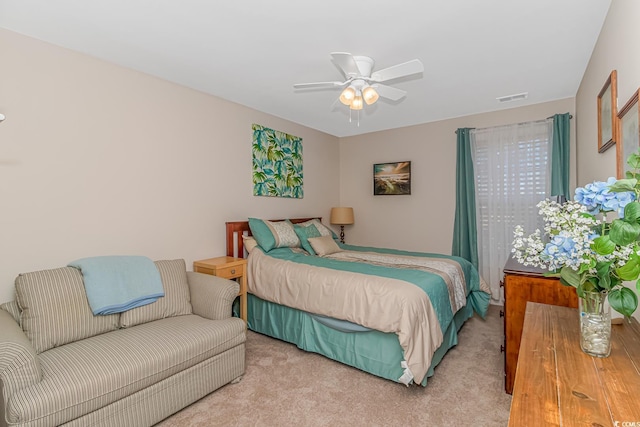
x=285, y=386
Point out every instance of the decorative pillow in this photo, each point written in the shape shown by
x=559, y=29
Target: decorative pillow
x=55, y=310
x=249, y=243
x=273, y=234
x=324, y=245
x=176, y=300
x=304, y=233
x=323, y=229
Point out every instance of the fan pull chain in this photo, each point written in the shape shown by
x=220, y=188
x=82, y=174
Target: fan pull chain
x=358, y=118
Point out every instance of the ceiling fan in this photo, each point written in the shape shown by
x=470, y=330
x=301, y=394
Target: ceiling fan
x=362, y=84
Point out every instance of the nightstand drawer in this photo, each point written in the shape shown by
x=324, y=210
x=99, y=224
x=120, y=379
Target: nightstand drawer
x=231, y=272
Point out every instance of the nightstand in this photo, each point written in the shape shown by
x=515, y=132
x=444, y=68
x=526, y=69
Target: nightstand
x=229, y=268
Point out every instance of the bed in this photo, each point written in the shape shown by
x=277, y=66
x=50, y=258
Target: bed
x=388, y=312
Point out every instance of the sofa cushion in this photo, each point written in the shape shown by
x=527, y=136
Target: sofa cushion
x=55, y=310
x=86, y=375
x=13, y=309
x=176, y=300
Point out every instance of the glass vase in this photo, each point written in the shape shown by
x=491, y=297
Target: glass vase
x=595, y=324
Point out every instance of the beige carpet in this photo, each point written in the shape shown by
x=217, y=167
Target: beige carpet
x=285, y=386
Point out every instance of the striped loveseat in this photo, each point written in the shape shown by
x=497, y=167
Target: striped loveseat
x=60, y=364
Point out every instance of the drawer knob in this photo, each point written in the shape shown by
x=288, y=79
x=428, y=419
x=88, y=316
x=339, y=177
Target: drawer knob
x=501, y=313
x=502, y=349
x=233, y=271
x=501, y=284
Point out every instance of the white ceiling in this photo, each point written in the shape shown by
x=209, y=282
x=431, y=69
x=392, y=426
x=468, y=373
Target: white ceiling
x=253, y=51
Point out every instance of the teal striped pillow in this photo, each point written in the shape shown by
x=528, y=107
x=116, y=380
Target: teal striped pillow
x=304, y=233
x=323, y=229
x=273, y=234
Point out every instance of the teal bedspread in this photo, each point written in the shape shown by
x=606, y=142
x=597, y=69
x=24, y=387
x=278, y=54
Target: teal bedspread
x=295, y=325
x=432, y=284
x=375, y=352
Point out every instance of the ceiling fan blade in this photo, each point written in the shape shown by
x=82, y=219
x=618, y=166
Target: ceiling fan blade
x=389, y=92
x=397, y=71
x=346, y=63
x=319, y=85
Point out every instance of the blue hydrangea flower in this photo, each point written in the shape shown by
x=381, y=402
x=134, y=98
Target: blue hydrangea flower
x=560, y=247
x=597, y=197
x=618, y=202
x=588, y=195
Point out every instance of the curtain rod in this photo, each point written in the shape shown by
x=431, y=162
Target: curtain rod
x=551, y=117
x=570, y=117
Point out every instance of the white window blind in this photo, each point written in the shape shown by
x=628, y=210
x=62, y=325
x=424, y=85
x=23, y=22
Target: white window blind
x=512, y=174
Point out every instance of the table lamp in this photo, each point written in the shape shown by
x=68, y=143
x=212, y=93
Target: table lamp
x=341, y=216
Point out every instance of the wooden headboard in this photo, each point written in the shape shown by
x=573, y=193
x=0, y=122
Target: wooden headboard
x=236, y=229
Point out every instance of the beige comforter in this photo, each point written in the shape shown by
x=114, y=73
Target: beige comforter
x=384, y=304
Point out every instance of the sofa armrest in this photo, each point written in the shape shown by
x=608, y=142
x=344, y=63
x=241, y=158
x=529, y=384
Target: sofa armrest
x=212, y=297
x=19, y=363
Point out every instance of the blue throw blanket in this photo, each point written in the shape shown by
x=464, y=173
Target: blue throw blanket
x=119, y=283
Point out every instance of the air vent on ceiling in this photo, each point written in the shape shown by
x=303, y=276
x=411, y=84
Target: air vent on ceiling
x=515, y=97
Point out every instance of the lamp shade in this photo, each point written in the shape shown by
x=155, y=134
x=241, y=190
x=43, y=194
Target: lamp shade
x=347, y=95
x=341, y=216
x=370, y=95
x=356, y=104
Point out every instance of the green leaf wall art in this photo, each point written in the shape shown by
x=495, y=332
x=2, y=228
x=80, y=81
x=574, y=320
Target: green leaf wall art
x=277, y=163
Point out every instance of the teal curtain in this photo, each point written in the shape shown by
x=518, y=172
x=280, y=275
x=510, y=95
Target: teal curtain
x=465, y=232
x=560, y=156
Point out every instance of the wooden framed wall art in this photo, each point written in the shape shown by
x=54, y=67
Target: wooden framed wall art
x=607, y=113
x=628, y=133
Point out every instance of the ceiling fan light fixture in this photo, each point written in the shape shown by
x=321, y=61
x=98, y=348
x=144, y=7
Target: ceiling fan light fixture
x=356, y=104
x=370, y=95
x=348, y=95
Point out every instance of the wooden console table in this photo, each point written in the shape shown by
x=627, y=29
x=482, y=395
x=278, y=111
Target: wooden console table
x=559, y=385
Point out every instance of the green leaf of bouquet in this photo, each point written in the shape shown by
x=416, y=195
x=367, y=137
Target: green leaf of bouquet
x=604, y=282
x=624, y=233
x=584, y=267
x=603, y=245
x=603, y=270
x=632, y=212
x=615, y=282
x=634, y=161
x=622, y=185
x=624, y=301
x=551, y=274
x=570, y=276
x=629, y=271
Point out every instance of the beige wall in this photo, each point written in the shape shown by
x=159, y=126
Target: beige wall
x=96, y=159
x=618, y=49
x=424, y=220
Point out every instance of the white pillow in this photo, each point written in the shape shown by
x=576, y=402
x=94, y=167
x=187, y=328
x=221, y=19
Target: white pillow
x=324, y=245
x=249, y=243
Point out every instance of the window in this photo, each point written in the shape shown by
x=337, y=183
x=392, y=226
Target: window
x=512, y=174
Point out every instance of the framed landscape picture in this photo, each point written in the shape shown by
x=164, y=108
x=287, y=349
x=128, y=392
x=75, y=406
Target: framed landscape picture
x=628, y=133
x=607, y=113
x=391, y=178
